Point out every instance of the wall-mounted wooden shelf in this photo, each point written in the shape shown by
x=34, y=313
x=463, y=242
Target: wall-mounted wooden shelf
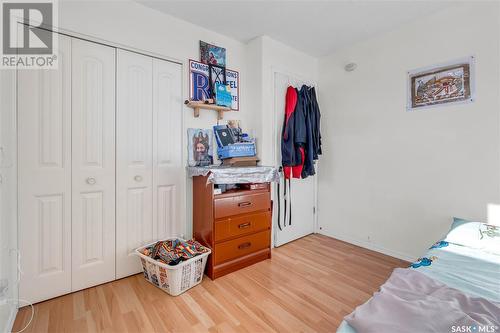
x=198, y=105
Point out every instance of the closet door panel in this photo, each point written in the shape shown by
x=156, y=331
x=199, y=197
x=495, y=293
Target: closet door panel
x=44, y=205
x=93, y=142
x=134, y=159
x=168, y=170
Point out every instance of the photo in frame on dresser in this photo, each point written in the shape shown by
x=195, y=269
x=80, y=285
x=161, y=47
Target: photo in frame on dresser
x=200, y=147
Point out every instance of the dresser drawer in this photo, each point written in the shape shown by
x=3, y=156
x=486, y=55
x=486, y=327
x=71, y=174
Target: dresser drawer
x=241, y=204
x=241, y=246
x=241, y=225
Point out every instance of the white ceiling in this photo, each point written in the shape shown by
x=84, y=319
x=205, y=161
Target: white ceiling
x=315, y=27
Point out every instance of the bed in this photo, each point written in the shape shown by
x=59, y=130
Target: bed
x=464, y=267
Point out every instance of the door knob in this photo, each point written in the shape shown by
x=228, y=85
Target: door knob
x=138, y=178
x=90, y=180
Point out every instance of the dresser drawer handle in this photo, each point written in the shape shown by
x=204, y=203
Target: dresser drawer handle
x=244, y=245
x=244, y=204
x=244, y=225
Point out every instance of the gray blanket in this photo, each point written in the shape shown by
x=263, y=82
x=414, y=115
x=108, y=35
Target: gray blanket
x=412, y=302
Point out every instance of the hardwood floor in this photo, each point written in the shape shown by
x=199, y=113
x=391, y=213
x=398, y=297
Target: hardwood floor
x=309, y=285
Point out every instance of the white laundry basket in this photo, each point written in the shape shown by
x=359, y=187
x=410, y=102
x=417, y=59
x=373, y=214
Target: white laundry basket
x=173, y=280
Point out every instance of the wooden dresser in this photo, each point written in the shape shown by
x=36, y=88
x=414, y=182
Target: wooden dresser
x=236, y=225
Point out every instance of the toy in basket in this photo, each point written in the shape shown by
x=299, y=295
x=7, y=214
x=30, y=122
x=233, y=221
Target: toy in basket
x=232, y=143
x=187, y=263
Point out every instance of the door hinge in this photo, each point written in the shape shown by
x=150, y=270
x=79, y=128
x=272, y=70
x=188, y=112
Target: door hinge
x=314, y=209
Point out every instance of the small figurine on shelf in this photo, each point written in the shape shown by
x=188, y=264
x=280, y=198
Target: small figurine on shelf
x=234, y=126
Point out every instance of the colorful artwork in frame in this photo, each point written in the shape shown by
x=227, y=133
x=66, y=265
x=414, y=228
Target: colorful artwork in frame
x=212, y=55
x=441, y=84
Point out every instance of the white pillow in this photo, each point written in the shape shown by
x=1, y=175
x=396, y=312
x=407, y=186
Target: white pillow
x=490, y=237
x=476, y=235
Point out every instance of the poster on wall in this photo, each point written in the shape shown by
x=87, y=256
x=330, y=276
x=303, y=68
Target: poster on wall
x=199, y=84
x=212, y=55
x=200, y=147
x=441, y=84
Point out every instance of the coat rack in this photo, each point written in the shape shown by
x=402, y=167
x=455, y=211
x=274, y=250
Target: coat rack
x=204, y=105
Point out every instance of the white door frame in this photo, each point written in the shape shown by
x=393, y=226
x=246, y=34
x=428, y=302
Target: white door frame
x=274, y=122
x=8, y=185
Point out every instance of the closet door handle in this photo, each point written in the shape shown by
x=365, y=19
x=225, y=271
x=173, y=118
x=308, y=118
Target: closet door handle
x=138, y=178
x=244, y=204
x=244, y=245
x=244, y=225
x=91, y=181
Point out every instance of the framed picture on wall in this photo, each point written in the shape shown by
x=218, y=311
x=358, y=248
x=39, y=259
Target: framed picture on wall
x=216, y=74
x=442, y=84
x=212, y=55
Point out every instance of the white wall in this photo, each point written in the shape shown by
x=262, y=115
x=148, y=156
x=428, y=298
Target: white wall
x=8, y=200
x=392, y=180
x=135, y=26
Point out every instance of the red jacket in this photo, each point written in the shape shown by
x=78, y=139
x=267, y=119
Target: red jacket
x=292, y=151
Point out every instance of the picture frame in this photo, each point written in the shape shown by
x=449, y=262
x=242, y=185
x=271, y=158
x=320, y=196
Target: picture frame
x=439, y=85
x=200, y=147
x=216, y=74
x=212, y=55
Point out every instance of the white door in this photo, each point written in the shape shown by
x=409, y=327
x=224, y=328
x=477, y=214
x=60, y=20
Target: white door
x=299, y=220
x=168, y=170
x=44, y=155
x=93, y=159
x=134, y=169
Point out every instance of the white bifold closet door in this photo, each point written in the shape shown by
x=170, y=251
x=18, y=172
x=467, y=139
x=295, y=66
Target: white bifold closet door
x=149, y=170
x=44, y=178
x=85, y=201
x=93, y=164
x=168, y=168
x=134, y=153
x=66, y=146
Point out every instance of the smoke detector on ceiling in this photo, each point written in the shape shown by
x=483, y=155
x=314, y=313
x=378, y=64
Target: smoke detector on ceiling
x=350, y=67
